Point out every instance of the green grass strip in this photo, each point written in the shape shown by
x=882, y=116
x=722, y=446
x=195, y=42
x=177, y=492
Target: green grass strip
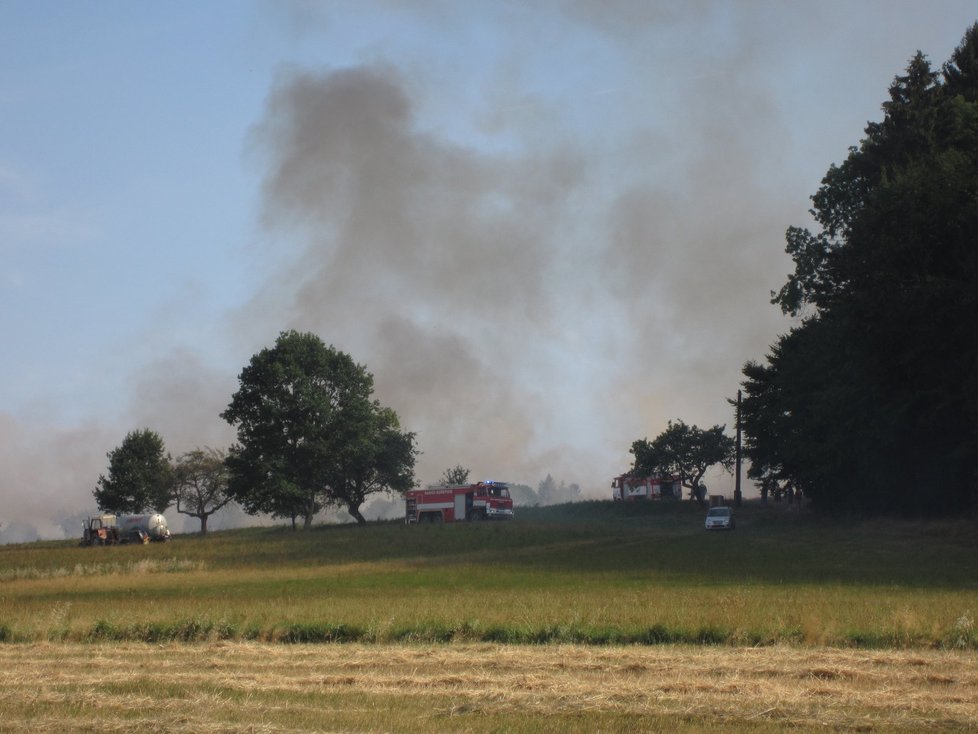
x=202, y=630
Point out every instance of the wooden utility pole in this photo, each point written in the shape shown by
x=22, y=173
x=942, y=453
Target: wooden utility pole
x=737, y=494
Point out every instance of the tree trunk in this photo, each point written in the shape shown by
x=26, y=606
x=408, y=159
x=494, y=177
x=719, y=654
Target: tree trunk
x=697, y=494
x=309, y=511
x=203, y=524
x=701, y=499
x=354, y=511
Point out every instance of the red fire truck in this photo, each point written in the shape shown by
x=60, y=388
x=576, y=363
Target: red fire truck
x=458, y=503
x=658, y=486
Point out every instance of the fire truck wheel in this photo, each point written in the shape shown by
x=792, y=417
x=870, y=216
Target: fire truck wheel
x=477, y=516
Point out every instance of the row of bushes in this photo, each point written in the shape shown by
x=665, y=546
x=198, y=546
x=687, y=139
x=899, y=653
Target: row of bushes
x=963, y=637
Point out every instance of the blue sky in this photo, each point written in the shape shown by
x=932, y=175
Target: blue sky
x=546, y=227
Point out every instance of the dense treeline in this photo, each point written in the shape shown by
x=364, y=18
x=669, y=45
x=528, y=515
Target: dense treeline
x=870, y=403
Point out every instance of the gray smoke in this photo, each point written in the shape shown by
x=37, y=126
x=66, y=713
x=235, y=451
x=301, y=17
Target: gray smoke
x=48, y=473
x=432, y=264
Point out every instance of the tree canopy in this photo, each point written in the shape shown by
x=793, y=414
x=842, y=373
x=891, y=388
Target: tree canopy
x=686, y=452
x=139, y=478
x=457, y=474
x=309, y=434
x=200, y=484
x=870, y=403
x=551, y=492
x=378, y=457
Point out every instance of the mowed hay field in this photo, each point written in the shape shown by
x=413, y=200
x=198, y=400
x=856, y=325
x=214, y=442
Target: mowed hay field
x=590, y=617
x=465, y=687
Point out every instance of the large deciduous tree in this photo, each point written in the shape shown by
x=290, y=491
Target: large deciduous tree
x=200, y=484
x=871, y=402
x=309, y=434
x=139, y=478
x=686, y=452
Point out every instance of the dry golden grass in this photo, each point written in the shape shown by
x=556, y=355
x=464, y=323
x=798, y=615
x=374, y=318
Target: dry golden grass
x=250, y=687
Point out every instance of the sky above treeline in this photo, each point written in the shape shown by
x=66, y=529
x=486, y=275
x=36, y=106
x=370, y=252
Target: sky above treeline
x=546, y=228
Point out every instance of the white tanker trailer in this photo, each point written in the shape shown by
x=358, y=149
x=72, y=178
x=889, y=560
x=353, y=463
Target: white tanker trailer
x=112, y=529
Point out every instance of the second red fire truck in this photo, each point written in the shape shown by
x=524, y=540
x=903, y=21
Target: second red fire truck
x=658, y=486
x=459, y=503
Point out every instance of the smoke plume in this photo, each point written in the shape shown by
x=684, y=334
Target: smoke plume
x=518, y=314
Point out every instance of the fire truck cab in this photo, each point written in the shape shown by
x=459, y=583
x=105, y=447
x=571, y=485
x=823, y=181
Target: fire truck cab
x=459, y=503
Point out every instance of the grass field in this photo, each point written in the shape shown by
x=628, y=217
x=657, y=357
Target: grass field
x=643, y=585
x=588, y=573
